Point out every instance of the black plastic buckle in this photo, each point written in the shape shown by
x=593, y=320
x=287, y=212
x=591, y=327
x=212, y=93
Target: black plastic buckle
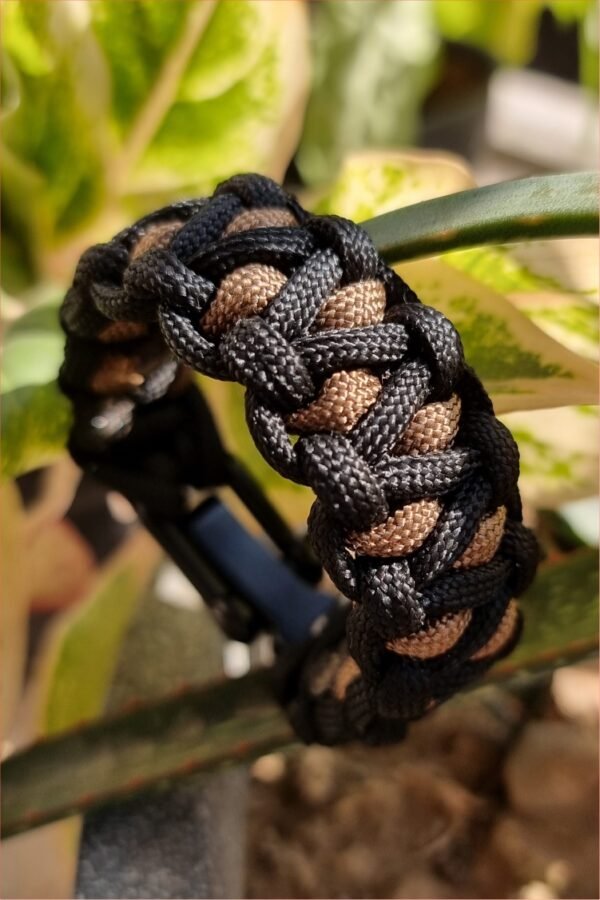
x=249, y=589
x=172, y=452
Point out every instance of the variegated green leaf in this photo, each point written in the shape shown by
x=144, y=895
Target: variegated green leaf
x=568, y=265
x=227, y=94
x=507, y=30
x=369, y=184
x=115, y=108
x=521, y=366
x=555, y=284
x=120, y=107
x=559, y=453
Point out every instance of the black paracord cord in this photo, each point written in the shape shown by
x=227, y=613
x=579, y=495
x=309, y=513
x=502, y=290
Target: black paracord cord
x=417, y=518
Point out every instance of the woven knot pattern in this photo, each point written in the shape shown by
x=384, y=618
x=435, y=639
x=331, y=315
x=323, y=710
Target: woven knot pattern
x=354, y=388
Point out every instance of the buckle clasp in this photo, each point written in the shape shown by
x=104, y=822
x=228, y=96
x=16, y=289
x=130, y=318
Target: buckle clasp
x=173, y=452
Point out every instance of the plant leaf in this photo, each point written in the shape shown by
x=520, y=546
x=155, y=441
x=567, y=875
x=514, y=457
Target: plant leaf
x=52, y=161
x=220, y=102
x=93, y=630
x=122, y=107
x=531, y=208
x=506, y=30
x=15, y=608
x=374, y=64
x=521, y=366
x=35, y=425
x=35, y=415
x=33, y=348
x=32, y=358
x=54, y=847
x=202, y=730
x=70, y=681
x=369, y=184
x=588, y=48
x=553, y=284
x=205, y=730
x=560, y=614
x=559, y=453
x=567, y=265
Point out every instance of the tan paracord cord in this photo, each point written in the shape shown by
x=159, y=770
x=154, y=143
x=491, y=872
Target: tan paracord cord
x=417, y=518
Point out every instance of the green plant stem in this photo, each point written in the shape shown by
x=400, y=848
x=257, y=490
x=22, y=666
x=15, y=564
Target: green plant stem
x=551, y=206
x=204, y=730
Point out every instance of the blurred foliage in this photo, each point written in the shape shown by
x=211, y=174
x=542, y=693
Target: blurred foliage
x=561, y=615
x=190, y=732
x=69, y=681
x=561, y=303
x=508, y=30
x=111, y=108
x=368, y=184
x=559, y=453
x=376, y=62
x=71, y=690
x=521, y=366
x=14, y=615
x=33, y=350
x=373, y=66
x=36, y=419
x=589, y=61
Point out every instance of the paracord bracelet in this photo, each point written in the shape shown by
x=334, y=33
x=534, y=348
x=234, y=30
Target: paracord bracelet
x=417, y=518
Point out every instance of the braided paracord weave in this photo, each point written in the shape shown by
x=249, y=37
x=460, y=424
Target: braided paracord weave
x=417, y=518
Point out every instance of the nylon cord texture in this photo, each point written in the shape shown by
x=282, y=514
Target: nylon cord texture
x=354, y=388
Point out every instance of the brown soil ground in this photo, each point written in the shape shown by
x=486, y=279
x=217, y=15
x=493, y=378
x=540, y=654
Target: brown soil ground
x=492, y=796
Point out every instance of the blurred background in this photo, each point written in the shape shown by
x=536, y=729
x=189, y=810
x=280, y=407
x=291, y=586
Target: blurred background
x=110, y=109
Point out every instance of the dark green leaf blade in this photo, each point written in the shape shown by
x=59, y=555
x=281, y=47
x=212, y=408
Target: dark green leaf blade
x=210, y=728
x=528, y=209
x=200, y=730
